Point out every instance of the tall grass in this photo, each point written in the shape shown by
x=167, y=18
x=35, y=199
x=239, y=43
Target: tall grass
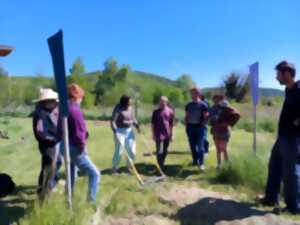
x=245, y=169
x=56, y=212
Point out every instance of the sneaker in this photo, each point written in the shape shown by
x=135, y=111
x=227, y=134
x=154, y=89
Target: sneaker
x=278, y=211
x=261, y=199
x=114, y=171
x=129, y=170
x=202, y=168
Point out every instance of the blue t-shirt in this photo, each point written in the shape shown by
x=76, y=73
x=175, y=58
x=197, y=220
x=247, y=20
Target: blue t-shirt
x=195, y=112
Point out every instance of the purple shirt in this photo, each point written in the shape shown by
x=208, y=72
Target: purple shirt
x=77, y=127
x=162, y=123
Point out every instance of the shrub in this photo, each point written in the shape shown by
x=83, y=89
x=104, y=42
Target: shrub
x=246, y=125
x=267, y=125
x=247, y=169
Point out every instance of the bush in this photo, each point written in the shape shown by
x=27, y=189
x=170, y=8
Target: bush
x=247, y=169
x=267, y=125
x=246, y=125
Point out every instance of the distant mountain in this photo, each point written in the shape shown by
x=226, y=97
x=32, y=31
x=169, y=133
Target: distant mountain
x=266, y=92
x=271, y=92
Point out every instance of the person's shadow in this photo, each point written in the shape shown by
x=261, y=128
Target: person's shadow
x=14, y=207
x=209, y=211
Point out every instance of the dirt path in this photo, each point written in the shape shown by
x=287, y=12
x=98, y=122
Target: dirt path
x=196, y=206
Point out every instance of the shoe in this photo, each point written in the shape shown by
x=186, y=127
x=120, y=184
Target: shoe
x=202, y=168
x=262, y=200
x=278, y=211
x=129, y=171
x=114, y=171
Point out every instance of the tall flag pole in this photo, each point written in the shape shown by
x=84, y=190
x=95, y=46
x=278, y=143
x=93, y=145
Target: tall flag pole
x=254, y=79
x=56, y=48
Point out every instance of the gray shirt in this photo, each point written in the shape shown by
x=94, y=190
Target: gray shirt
x=195, y=112
x=123, y=118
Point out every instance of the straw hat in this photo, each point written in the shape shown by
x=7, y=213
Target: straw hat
x=46, y=94
x=5, y=50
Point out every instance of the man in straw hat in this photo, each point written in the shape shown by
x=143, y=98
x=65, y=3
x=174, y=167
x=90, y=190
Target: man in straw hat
x=196, y=116
x=284, y=162
x=162, y=129
x=45, y=128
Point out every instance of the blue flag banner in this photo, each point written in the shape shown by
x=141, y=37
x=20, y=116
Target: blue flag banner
x=254, y=79
x=56, y=48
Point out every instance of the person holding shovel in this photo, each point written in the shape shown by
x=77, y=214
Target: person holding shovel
x=78, y=136
x=222, y=117
x=162, y=129
x=45, y=128
x=196, y=116
x=122, y=123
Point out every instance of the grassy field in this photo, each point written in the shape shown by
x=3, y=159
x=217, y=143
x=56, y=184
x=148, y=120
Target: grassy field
x=120, y=194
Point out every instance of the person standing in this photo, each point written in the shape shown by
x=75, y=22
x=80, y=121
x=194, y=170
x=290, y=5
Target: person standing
x=162, y=129
x=196, y=116
x=284, y=164
x=122, y=123
x=222, y=117
x=46, y=132
x=78, y=136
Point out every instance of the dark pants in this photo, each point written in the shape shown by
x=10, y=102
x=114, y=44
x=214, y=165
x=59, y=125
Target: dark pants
x=49, y=159
x=162, y=151
x=284, y=166
x=196, y=136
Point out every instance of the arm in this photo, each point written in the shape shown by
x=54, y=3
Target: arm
x=152, y=125
x=205, y=115
x=78, y=129
x=230, y=116
x=113, y=121
x=172, y=125
x=42, y=134
x=134, y=121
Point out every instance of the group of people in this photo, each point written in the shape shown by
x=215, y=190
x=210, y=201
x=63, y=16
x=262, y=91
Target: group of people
x=284, y=162
x=198, y=114
x=48, y=132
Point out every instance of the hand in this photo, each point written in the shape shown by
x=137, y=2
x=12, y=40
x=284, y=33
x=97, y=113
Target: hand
x=296, y=122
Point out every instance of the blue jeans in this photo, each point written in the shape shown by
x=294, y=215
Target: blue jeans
x=196, y=138
x=83, y=162
x=284, y=166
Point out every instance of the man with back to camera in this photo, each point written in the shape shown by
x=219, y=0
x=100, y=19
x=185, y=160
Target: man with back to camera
x=284, y=162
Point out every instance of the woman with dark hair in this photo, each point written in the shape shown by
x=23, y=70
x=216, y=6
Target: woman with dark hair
x=122, y=123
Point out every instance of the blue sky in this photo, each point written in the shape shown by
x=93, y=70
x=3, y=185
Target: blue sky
x=206, y=39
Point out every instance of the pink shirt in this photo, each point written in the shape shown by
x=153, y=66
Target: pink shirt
x=162, y=122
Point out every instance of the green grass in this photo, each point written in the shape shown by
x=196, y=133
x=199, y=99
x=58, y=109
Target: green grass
x=121, y=195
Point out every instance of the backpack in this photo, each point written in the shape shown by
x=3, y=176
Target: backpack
x=7, y=186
